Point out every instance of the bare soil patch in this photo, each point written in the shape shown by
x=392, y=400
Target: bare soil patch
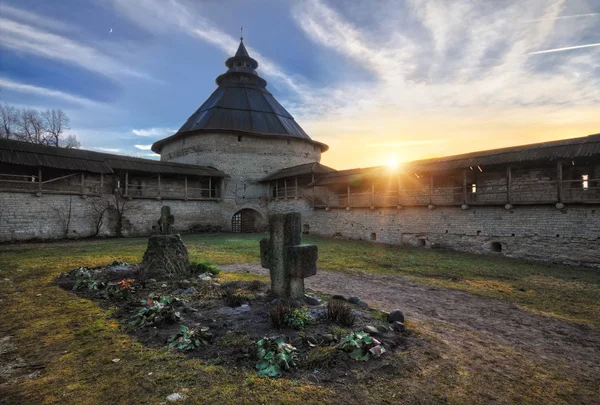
x=464, y=320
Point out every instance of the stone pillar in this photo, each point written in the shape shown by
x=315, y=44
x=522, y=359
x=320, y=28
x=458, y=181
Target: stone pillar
x=289, y=262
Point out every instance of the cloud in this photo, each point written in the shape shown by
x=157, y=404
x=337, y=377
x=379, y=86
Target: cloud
x=562, y=17
x=162, y=15
x=27, y=36
x=45, y=92
x=144, y=147
x=34, y=19
x=103, y=149
x=564, y=49
x=154, y=132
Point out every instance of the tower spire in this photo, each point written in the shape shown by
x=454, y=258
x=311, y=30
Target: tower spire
x=241, y=33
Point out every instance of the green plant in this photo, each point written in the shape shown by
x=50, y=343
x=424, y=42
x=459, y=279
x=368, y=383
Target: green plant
x=203, y=267
x=187, y=339
x=121, y=290
x=361, y=346
x=85, y=280
x=278, y=313
x=274, y=356
x=156, y=312
x=297, y=318
x=340, y=313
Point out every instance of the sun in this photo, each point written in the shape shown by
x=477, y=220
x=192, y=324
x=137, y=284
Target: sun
x=392, y=163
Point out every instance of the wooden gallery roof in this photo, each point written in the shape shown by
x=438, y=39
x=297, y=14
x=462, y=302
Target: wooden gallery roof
x=28, y=154
x=584, y=147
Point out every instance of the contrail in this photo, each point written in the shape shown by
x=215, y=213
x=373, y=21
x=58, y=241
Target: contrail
x=563, y=49
x=562, y=17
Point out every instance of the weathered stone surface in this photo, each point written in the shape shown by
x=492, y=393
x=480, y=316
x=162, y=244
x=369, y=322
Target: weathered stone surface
x=371, y=330
x=164, y=252
x=396, y=315
x=382, y=329
x=288, y=261
x=312, y=300
x=338, y=297
x=166, y=220
x=398, y=326
x=354, y=300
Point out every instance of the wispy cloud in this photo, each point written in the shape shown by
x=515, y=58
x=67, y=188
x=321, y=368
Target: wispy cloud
x=34, y=19
x=45, y=92
x=563, y=17
x=568, y=48
x=144, y=147
x=27, y=35
x=103, y=149
x=163, y=15
x=154, y=132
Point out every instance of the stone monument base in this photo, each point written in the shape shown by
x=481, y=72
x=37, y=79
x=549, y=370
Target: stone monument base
x=165, y=255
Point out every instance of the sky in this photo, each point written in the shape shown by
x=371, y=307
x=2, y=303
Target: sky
x=376, y=80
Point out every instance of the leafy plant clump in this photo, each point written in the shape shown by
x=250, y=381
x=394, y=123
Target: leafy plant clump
x=85, y=280
x=275, y=356
x=187, y=339
x=278, y=314
x=340, y=313
x=297, y=318
x=121, y=290
x=203, y=267
x=320, y=358
x=156, y=312
x=361, y=346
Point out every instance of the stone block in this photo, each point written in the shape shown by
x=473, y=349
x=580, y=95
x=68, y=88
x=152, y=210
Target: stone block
x=301, y=261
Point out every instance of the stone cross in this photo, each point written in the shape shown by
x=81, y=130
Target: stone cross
x=166, y=220
x=289, y=262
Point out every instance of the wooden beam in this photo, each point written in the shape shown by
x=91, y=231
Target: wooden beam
x=313, y=199
x=101, y=183
x=399, y=188
x=348, y=195
x=209, y=186
x=296, y=185
x=508, y=184
x=285, y=188
x=82, y=183
x=276, y=189
x=126, y=182
x=40, y=179
x=559, y=181
x=431, y=189
x=159, y=184
x=185, y=187
x=372, y=193
x=464, y=173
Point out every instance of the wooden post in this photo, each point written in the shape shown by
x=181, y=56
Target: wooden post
x=185, y=193
x=327, y=197
x=222, y=191
x=296, y=185
x=276, y=189
x=159, y=184
x=431, y=189
x=126, y=182
x=209, y=187
x=285, y=188
x=313, y=199
x=40, y=179
x=372, y=193
x=348, y=195
x=82, y=180
x=101, y=183
x=508, y=184
x=464, y=173
x=399, y=188
x=559, y=181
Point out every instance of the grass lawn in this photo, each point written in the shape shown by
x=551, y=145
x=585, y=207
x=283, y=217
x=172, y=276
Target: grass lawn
x=72, y=341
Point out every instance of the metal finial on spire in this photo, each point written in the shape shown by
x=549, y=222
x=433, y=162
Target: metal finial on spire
x=241, y=33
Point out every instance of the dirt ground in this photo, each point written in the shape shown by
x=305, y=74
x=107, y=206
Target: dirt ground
x=469, y=324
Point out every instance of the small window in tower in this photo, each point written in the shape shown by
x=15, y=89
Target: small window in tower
x=473, y=188
x=240, y=138
x=584, y=181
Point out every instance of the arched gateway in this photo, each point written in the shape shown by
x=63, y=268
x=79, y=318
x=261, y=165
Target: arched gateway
x=246, y=221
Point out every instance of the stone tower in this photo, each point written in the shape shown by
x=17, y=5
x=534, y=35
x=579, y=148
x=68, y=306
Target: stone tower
x=242, y=130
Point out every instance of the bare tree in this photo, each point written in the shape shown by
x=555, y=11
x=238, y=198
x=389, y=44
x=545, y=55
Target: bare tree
x=120, y=207
x=101, y=209
x=8, y=121
x=63, y=214
x=47, y=127
x=55, y=122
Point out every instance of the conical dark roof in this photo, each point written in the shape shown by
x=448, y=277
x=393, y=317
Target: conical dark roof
x=242, y=104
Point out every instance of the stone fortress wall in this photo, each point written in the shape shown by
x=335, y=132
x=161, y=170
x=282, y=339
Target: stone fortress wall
x=542, y=233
